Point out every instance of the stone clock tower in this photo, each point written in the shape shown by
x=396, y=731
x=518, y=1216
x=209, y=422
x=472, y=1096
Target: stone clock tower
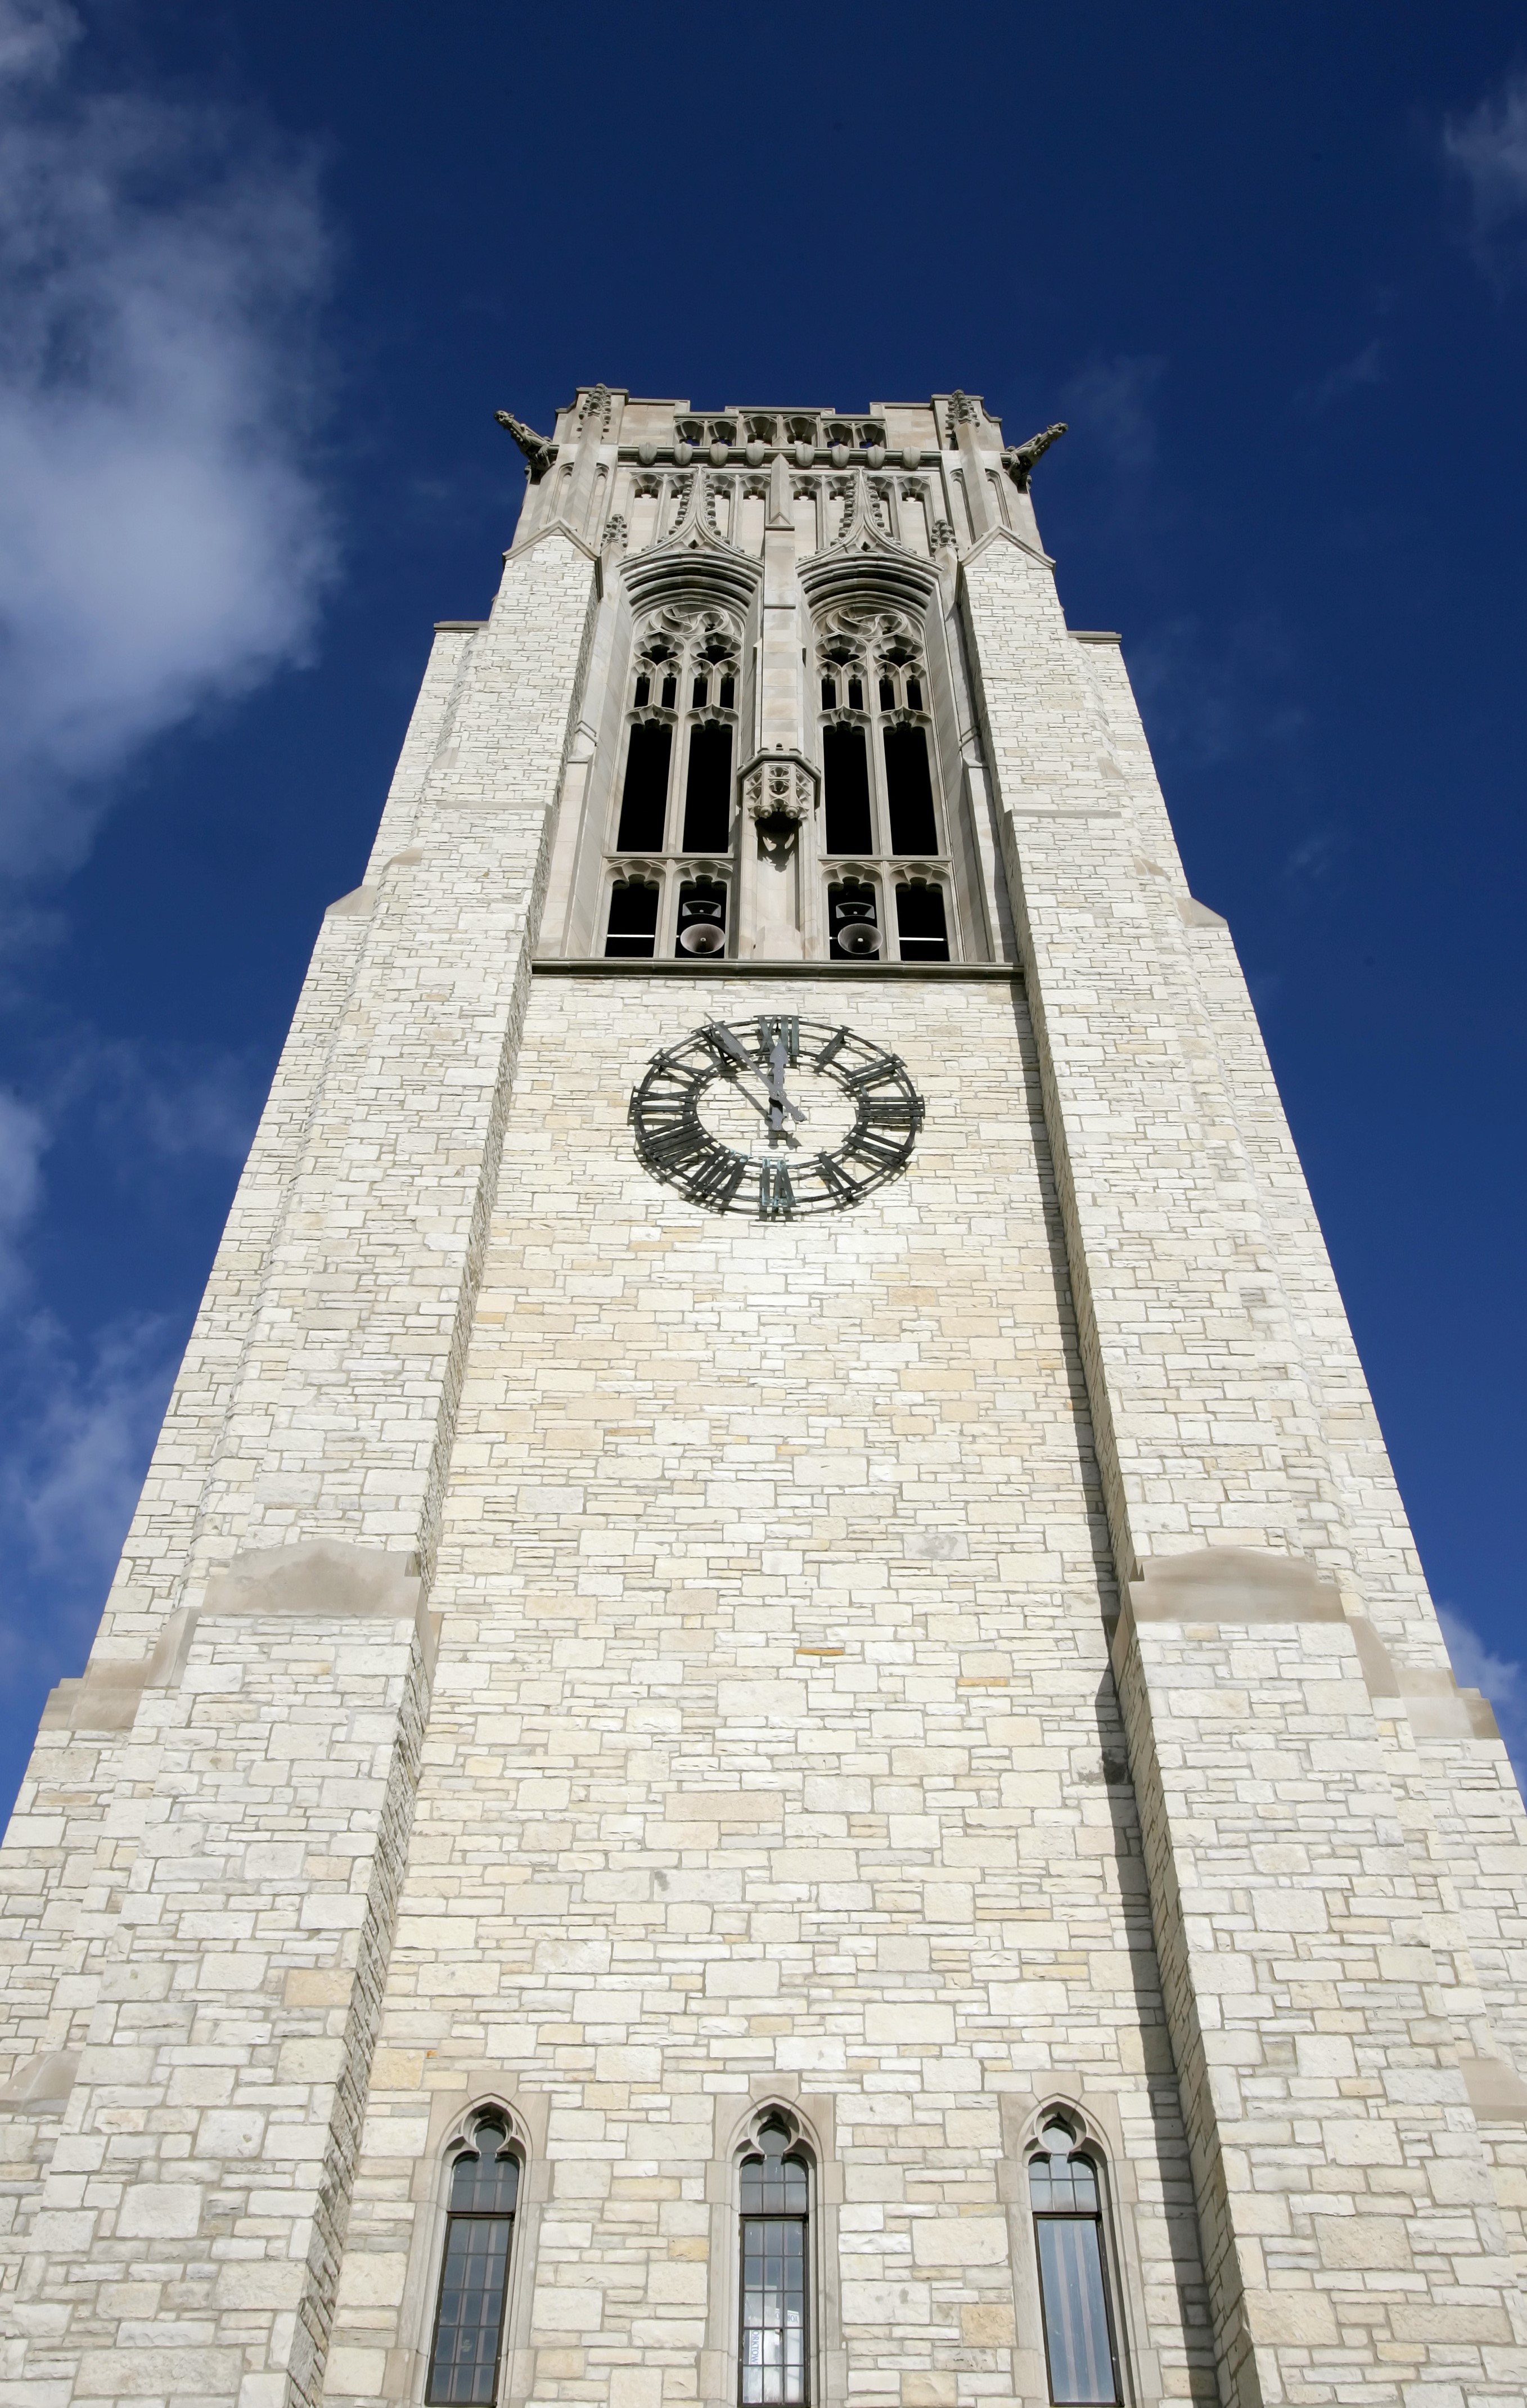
x=769, y=1736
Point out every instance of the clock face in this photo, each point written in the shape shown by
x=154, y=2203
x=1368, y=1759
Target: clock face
x=775, y=1117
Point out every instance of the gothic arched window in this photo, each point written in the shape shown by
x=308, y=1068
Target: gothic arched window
x=880, y=799
x=468, y=2335
x=1065, y=2196
x=773, y=2340
x=677, y=779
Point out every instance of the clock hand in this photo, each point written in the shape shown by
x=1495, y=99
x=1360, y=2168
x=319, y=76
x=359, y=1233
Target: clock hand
x=780, y=1103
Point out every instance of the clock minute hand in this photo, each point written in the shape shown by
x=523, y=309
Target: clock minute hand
x=780, y=1103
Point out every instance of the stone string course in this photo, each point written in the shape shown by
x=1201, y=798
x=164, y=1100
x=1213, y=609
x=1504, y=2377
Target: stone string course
x=631, y=1664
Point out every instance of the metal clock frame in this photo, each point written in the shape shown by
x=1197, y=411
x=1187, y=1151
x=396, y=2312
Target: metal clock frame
x=675, y=1145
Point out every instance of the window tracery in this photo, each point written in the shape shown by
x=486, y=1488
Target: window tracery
x=882, y=822
x=676, y=792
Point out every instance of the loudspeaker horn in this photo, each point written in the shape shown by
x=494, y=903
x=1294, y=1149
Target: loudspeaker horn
x=703, y=936
x=859, y=936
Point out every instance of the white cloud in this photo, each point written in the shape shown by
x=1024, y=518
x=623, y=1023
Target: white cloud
x=76, y=1474
x=164, y=542
x=1502, y=1679
x=22, y=1140
x=1112, y=403
x=1489, y=148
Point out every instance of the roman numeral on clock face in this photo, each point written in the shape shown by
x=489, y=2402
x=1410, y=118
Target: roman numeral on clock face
x=870, y=1148
x=872, y=1074
x=674, y=1146
x=718, y=1178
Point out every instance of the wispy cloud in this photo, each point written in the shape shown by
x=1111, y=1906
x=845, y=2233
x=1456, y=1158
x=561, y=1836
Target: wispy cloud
x=1502, y=1678
x=71, y=1474
x=1489, y=148
x=1315, y=857
x=1208, y=695
x=1364, y=367
x=22, y=1140
x=1112, y=403
x=166, y=1102
x=78, y=1416
x=164, y=539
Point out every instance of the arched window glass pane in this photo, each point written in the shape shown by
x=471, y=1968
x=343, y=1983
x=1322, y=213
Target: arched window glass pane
x=846, y=773
x=484, y=2180
x=774, y=2335
x=644, y=798
x=773, y=2186
x=1073, y=2282
x=474, y=2274
x=909, y=791
x=632, y=923
x=922, y=931
x=708, y=794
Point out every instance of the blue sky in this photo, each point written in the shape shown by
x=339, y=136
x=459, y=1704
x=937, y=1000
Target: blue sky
x=265, y=274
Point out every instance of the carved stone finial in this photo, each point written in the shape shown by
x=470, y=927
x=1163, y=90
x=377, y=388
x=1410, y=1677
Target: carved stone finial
x=1020, y=462
x=617, y=533
x=539, y=450
x=777, y=797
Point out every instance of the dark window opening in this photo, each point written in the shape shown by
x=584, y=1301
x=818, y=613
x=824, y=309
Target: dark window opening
x=888, y=695
x=644, y=692
x=909, y=791
x=829, y=694
x=632, y=923
x=845, y=761
x=670, y=692
x=708, y=795
x=914, y=695
x=1073, y=2284
x=856, y=694
x=853, y=932
x=922, y=931
x=701, y=694
x=773, y=2340
x=702, y=917
x=644, y=801
x=475, y=2274
x=729, y=693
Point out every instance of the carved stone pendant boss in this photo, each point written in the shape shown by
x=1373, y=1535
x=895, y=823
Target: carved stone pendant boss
x=775, y=1117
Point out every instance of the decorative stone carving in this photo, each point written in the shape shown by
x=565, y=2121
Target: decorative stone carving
x=539, y=450
x=777, y=795
x=1020, y=462
x=617, y=533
